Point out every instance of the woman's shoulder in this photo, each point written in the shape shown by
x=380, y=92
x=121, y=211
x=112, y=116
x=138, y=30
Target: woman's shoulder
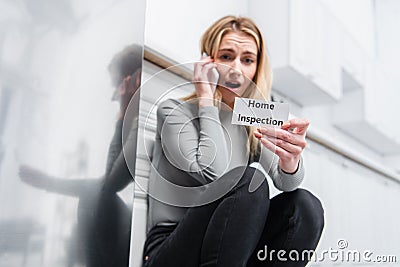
x=172, y=105
x=170, y=102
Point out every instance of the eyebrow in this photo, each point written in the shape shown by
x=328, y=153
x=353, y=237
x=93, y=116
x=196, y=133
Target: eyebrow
x=231, y=50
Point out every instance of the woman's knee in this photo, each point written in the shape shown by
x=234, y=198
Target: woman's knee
x=307, y=206
x=254, y=184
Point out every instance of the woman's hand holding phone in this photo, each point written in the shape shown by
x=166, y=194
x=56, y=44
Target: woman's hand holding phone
x=205, y=78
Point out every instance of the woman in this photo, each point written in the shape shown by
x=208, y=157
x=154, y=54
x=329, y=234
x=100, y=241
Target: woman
x=196, y=144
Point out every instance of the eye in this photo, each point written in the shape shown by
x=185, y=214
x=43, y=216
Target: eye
x=249, y=61
x=225, y=57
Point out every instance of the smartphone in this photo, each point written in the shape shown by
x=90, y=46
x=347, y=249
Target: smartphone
x=214, y=75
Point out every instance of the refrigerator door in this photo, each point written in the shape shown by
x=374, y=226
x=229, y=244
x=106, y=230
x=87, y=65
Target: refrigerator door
x=68, y=72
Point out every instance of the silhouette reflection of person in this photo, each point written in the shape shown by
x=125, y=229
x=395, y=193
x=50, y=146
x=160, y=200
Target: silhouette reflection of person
x=102, y=234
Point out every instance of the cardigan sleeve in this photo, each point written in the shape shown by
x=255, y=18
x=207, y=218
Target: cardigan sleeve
x=282, y=180
x=193, y=143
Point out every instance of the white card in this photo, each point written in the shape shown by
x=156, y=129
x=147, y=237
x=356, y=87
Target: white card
x=255, y=112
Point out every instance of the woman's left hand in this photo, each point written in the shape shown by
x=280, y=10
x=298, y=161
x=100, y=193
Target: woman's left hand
x=287, y=142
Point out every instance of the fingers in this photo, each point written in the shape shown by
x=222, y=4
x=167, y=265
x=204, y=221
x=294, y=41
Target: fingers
x=294, y=149
x=296, y=125
x=201, y=80
x=284, y=136
x=207, y=67
x=200, y=73
x=279, y=151
x=288, y=145
x=27, y=171
x=286, y=142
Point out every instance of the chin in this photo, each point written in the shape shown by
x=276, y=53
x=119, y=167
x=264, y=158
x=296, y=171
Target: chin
x=236, y=91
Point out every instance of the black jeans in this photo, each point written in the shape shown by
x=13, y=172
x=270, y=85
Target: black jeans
x=240, y=229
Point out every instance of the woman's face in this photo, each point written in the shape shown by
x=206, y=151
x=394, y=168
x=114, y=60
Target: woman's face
x=237, y=64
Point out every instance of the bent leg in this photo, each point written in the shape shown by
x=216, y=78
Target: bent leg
x=294, y=224
x=236, y=225
x=181, y=248
x=222, y=233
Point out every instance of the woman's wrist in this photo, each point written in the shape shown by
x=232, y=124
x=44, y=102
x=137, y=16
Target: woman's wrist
x=290, y=167
x=206, y=101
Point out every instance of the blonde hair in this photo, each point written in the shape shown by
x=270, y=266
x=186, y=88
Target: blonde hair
x=262, y=80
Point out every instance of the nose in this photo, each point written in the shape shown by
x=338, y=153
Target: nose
x=235, y=67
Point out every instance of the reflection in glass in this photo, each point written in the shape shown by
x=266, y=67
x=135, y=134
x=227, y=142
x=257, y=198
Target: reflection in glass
x=65, y=190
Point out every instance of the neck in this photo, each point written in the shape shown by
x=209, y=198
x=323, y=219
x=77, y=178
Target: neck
x=227, y=99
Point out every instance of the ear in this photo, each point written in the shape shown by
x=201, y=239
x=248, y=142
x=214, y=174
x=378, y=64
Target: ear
x=138, y=77
x=124, y=85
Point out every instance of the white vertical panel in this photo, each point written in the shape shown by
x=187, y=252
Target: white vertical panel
x=174, y=27
x=360, y=205
x=138, y=236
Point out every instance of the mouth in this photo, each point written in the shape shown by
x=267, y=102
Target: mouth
x=233, y=85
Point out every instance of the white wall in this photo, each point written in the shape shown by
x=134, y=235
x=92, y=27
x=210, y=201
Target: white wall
x=387, y=49
x=174, y=27
x=356, y=17
x=388, y=42
x=360, y=205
